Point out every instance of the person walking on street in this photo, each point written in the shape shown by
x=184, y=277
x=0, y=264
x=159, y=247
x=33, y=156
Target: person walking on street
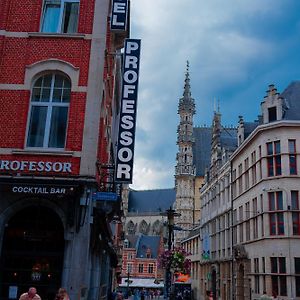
x=30, y=295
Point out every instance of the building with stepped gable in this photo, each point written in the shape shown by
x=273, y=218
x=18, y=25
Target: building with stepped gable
x=248, y=236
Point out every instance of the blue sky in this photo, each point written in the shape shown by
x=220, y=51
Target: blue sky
x=236, y=48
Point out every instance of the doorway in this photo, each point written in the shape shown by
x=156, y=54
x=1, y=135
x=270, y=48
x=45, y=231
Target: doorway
x=32, y=253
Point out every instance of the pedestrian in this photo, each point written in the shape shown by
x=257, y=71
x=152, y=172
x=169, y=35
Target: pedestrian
x=62, y=294
x=30, y=295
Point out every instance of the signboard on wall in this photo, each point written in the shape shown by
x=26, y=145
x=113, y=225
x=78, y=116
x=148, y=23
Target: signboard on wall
x=126, y=135
x=119, y=15
x=35, y=166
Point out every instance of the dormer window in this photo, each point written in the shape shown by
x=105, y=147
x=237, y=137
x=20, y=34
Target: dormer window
x=272, y=111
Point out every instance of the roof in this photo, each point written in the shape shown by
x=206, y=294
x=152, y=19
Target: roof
x=202, y=145
x=202, y=148
x=249, y=127
x=151, y=200
x=292, y=101
x=144, y=242
x=229, y=138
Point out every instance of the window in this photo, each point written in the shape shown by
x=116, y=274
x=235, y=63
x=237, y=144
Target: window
x=49, y=107
x=141, y=268
x=60, y=16
x=296, y=223
x=129, y=268
x=256, y=277
x=278, y=266
x=292, y=157
x=151, y=268
x=276, y=219
x=295, y=200
x=129, y=256
x=274, y=158
x=275, y=200
x=297, y=278
x=272, y=114
x=276, y=224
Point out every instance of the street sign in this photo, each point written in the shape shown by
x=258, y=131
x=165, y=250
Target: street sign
x=105, y=196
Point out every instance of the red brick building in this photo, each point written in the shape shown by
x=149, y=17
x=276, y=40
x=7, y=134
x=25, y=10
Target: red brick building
x=140, y=262
x=60, y=68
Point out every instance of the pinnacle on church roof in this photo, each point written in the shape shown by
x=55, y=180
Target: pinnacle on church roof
x=187, y=87
x=187, y=103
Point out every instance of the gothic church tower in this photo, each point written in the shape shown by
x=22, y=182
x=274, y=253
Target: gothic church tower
x=185, y=168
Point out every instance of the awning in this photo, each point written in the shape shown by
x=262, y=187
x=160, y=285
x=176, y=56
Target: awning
x=142, y=282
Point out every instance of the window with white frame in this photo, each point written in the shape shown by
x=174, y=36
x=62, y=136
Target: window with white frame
x=49, y=106
x=60, y=16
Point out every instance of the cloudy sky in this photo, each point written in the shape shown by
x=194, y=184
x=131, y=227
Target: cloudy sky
x=236, y=48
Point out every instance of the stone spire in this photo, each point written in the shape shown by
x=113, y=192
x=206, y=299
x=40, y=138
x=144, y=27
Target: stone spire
x=187, y=103
x=185, y=168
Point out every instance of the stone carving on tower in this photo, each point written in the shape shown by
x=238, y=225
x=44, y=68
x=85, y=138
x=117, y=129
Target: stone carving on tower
x=185, y=168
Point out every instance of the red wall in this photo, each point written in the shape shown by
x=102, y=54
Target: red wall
x=18, y=52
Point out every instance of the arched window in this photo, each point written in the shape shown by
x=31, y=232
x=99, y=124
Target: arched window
x=130, y=227
x=156, y=227
x=143, y=228
x=49, y=108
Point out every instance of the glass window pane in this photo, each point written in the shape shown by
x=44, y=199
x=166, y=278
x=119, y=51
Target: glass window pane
x=272, y=201
x=51, y=17
x=36, y=94
x=297, y=265
x=66, y=95
x=277, y=147
x=58, y=127
x=274, y=265
x=295, y=202
x=269, y=148
x=38, y=83
x=279, y=201
x=292, y=146
x=57, y=95
x=70, y=19
x=280, y=223
x=37, y=126
x=59, y=80
x=282, y=268
x=45, y=95
x=47, y=79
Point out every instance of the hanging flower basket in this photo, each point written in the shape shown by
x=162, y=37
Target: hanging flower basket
x=175, y=260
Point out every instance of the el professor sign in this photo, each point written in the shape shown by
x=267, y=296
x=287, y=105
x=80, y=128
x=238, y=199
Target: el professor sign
x=119, y=15
x=126, y=136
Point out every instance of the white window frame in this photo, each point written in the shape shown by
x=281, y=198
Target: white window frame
x=49, y=106
x=61, y=13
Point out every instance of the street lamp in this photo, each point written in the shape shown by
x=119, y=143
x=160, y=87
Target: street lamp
x=170, y=213
x=128, y=282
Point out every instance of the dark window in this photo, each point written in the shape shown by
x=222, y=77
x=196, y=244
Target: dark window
x=295, y=200
x=292, y=157
x=278, y=266
x=296, y=223
x=272, y=114
x=141, y=268
x=297, y=265
x=274, y=158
